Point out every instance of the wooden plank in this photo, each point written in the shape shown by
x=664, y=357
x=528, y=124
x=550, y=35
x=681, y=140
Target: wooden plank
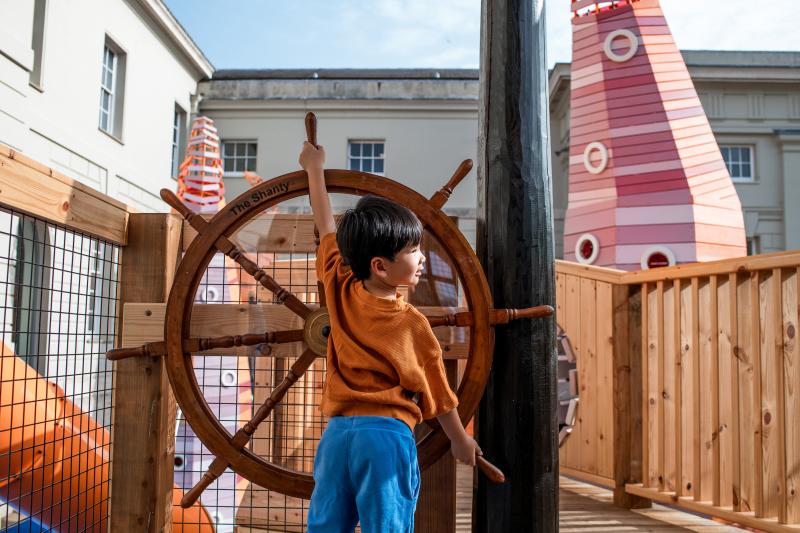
x=561, y=299
x=608, y=275
x=587, y=380
x=791, y=362
x=786, y=259
x=265, y=510
x=756, y=406
x=671, y=429
x=31, y=187
x=736, y=426
x=705, y=387
x=644, y=350
x=144, y=408
x=726, y=400
x=656, y=386
x=573, y=331
x=772, y=438
x=714, y=369
x=685, y=392
x=747, y=428
x=605, y=377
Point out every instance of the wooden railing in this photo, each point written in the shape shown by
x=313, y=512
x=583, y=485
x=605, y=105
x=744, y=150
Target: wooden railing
x=713, y=373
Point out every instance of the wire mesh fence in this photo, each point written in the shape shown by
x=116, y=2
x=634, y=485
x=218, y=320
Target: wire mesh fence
x=58, y=290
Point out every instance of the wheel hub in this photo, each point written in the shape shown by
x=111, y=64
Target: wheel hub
x=317, y=329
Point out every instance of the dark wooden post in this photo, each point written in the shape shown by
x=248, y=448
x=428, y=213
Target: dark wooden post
x=517, y=427
x=144, y=407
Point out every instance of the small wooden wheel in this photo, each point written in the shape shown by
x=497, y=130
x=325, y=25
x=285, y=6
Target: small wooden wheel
x=213, y=236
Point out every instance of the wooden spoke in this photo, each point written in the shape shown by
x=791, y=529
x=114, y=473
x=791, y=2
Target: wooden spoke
x=242, y=437
x=227, y=247
x=496, y=316
x=441, y=196
x=504, y=316
x=204, y=344
x=455, y=319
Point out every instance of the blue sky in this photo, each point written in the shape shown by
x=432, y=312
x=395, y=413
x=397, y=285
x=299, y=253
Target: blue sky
x=438, y=33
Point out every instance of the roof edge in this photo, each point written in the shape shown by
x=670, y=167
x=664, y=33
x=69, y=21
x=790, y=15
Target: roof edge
x=347, y=73
x=162, y=15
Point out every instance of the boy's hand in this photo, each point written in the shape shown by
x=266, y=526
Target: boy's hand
x=465, y=450
x=311, y=158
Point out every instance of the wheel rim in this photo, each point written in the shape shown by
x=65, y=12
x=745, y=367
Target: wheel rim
x=244, y=208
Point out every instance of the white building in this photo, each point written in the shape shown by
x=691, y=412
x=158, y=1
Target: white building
x=100, y=90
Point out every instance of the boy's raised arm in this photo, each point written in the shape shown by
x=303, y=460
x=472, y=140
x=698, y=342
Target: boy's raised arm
x=312, y=159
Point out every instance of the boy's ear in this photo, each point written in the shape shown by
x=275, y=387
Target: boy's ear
x=377, y=266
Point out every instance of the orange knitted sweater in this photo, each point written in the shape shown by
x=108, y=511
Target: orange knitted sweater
x=381, y=352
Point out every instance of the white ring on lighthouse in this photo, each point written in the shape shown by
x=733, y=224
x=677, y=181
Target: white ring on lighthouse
x=633, y=42
x=658, y=249
x=587, y=162
x=595, y=249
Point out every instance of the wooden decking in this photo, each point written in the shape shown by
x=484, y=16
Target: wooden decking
x=586, y=508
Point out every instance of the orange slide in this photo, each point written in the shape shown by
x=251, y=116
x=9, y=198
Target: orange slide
x=54, y=458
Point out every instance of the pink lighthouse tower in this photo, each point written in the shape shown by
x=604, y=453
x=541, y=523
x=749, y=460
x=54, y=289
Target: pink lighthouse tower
x=647, y=184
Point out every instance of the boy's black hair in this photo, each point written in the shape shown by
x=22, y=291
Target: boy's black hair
x=376, y=227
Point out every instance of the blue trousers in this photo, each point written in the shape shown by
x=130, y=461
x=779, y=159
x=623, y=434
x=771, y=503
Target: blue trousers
x=365, y=470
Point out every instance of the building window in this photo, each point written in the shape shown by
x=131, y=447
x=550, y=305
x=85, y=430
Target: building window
x=238, y=156
x=112, y=83
x=178, y=128
x=739, y=160
x=366, y=156
x=37, y=41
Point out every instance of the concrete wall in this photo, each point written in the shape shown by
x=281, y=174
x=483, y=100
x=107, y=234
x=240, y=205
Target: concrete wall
x=57, y=123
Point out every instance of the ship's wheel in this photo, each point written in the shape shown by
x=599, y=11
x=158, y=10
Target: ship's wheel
x=214, y=236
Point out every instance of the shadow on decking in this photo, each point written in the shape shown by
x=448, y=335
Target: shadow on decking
x=586, y=508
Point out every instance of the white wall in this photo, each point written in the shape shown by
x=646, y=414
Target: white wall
x=58, y=125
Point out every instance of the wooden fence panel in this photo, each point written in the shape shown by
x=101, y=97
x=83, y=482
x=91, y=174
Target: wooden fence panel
x=723, y=489
x=655, y=385
x=670, y=427
x=686, y=391
x=707, y=388
x=605, y=379
x=745, y=499
x=587, y=376
x=791, y=360
x=573, y=330
x=771, y=393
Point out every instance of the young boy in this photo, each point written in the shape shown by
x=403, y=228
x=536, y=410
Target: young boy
x=381, y=353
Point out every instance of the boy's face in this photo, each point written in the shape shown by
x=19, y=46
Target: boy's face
x=406, y=268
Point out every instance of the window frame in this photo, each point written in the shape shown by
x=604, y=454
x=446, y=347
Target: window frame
x=382, y=157
x=38, y=41
x=238, y=173
x=116, y=89
x=178, y=140
x=751, y=150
